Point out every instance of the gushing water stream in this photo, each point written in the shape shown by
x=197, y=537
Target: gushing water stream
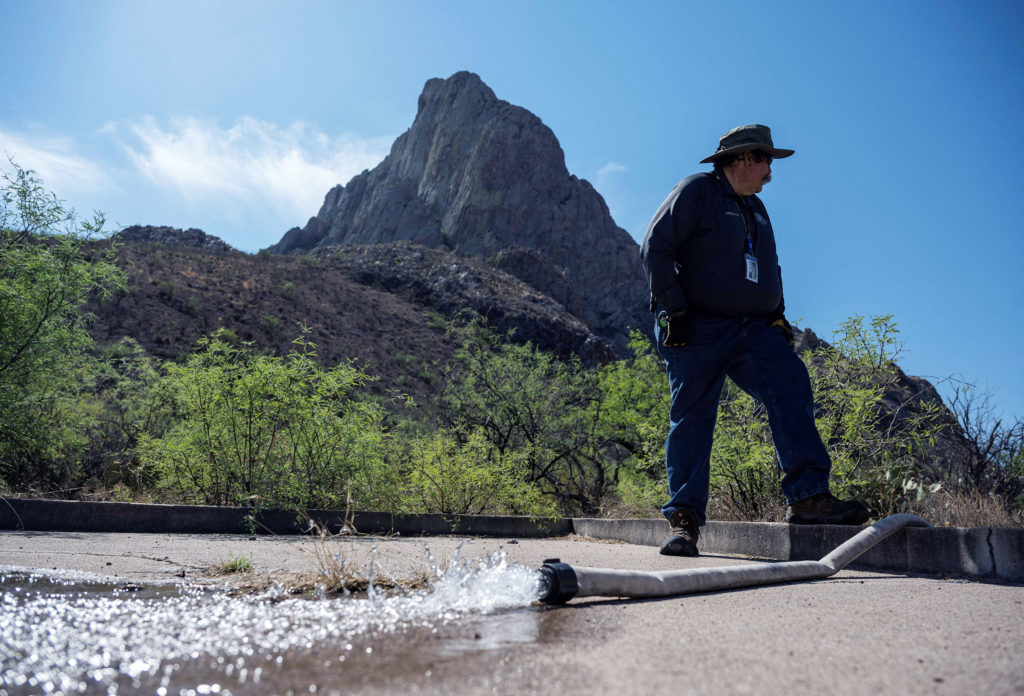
x=80, y=633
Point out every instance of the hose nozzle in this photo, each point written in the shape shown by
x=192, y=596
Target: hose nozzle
x=558, y=583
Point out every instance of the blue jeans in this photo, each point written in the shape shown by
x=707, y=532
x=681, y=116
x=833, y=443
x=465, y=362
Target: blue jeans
x=757, y=358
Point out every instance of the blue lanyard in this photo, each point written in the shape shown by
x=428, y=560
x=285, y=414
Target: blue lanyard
x=746, y=227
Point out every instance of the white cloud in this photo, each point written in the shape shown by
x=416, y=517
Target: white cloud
x=54, y=159
x=611, y=168
x=606, y=176
x=246, y=183
x=284, y=170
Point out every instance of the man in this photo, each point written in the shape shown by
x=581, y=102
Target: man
x=716, y=291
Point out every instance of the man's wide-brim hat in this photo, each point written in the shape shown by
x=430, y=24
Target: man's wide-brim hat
x=745, y=138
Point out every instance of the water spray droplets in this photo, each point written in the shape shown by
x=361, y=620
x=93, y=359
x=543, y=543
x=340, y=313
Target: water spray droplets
x=72, y=633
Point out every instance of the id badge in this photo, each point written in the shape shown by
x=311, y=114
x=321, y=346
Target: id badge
x=751, y=267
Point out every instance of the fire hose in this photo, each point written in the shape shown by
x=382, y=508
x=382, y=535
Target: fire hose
x=561, y=582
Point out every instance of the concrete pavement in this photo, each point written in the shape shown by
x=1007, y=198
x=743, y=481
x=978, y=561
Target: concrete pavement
x=857, y=633
x=991, y=553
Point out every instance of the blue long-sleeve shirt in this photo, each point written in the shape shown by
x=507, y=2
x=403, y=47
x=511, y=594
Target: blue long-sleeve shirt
x=694, y=252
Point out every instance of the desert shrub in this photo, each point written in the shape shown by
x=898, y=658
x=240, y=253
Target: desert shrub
x=47, y=272
x=632, y=407
x=167, y=289
x=960, y=506
x=637, y=494
x=990, y=462
x=135, y=402
x=879, y=449
x=436, y=321
x=745, y=475
x=528, y=404
x=463, y=473
x=590, y=439
x=265, y=430
x=273, y=328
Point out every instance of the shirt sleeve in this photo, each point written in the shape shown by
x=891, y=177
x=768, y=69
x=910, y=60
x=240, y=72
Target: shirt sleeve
x=671, y=226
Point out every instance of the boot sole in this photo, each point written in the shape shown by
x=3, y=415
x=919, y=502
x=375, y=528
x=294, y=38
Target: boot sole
x=676, y=546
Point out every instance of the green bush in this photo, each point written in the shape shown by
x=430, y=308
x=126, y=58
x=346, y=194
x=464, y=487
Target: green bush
x=167, y=289
x=134, y=402
x=745, y=474
x=632, y=410
x=590, y=439
x=530, y=405
x=637, y=494
x=879, y=452
x=47, y=272
x=463, y=473
x=265, y=431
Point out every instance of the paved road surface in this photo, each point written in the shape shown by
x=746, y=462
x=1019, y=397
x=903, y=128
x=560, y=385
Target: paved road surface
x=856, y=633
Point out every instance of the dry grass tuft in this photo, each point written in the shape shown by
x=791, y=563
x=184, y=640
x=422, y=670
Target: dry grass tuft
x=335, y=573
x=315, y=584
x=956, y=508
x=339, y=576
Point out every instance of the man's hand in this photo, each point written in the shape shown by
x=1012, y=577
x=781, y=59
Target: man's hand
x=779, y=320
x=677, y=326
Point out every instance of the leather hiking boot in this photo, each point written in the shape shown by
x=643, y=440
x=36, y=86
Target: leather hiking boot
x=825, y=508
x=683, y=535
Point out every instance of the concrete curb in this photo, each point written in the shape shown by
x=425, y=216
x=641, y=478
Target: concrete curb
x=984, y=553
x=73, y=516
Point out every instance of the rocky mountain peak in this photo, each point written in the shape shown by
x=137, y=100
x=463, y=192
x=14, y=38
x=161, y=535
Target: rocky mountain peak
x=465, y=87
x=476, y=175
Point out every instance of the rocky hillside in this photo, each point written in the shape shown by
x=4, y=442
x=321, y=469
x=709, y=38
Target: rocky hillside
x=384, y=306
x=171, y=236
x=483, y=178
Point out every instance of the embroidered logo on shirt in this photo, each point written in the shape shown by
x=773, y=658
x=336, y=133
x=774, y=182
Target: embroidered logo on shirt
x=729, y=212
x=761, y=220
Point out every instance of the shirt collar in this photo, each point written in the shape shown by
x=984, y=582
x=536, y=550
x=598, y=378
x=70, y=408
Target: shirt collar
x=723, y=181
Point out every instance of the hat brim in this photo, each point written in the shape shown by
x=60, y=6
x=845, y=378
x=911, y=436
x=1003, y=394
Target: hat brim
x=776, y=152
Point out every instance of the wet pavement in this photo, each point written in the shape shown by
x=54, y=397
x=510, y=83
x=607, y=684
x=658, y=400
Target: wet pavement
x=169, y=629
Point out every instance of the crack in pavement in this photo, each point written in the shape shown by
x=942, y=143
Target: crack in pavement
x=167, y=560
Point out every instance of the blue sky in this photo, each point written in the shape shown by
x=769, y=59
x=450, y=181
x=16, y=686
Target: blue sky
x=907, y=118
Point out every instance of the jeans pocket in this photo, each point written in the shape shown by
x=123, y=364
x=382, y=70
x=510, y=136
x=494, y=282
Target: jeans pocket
x=708, y=330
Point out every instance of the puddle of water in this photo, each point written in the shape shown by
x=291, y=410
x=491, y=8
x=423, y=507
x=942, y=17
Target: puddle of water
x=78, y=633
